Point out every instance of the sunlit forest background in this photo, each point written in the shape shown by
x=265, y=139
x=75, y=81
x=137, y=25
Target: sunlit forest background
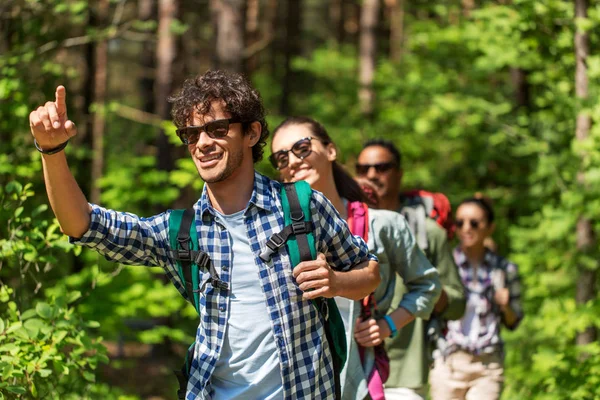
x=500, y=97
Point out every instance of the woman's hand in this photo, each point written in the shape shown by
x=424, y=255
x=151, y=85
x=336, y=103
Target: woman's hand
x=502, y=298
x=370, y=333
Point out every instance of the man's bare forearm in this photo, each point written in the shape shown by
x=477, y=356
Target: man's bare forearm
x=359, y=282
x=66, y=198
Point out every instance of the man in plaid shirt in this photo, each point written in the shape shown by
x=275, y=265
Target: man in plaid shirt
x=259, y=337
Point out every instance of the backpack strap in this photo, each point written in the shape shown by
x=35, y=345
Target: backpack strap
x=299, y=231
x=189, y=258
x=184, y=242
x=300, y=241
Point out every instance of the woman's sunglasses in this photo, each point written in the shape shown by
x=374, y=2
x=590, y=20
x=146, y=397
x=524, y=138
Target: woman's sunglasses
x=214, y=129
x=301, y=149
x=363, y=169
x=475, y=224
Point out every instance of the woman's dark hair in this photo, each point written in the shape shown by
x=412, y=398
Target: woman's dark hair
x=240, y=98
x=346, y=186
x=482, y=202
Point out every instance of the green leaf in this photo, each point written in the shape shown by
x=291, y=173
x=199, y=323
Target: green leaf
x=93, y=324
x=44, y=310
x=19, y=211
x=34, y=325
x=1, y=325
x=89, y=376
x=28, y=314
x=16, y=389
x=74, y=296
x=44, y=373
x=14, y=187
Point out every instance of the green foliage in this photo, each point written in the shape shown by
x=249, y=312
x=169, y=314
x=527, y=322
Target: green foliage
x=45, y=351
x=45, y=348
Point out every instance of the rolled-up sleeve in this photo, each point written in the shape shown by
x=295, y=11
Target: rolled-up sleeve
x=513, y=283
x=343, y=250
x=419, y=276
x=128, y=239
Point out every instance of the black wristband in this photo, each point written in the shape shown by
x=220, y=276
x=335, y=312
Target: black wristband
x=55, y=150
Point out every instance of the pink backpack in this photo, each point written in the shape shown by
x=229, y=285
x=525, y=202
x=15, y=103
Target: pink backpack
x=358, y=221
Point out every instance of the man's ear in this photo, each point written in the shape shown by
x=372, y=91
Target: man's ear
x=254, y=132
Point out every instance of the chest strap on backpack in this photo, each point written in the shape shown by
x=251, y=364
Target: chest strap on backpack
x=299, y=228
x=187, y=257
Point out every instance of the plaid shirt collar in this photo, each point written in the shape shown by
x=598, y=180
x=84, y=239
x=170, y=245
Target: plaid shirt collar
x=262, y=197
x=489, y=259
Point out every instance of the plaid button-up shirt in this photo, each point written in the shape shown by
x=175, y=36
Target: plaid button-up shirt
x=304, y=355
x=479, y=330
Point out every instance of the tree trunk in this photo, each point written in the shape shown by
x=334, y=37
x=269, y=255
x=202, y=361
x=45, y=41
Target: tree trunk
x=165, y=55
x=521, y=87
x=274, y=20
x=252, y=34
x=147, y=12
x=586, y=282
x=368, y=24
x=291, y=49
x=337, y=16
x=396, y=8
x=99, y=101
x=228, y=21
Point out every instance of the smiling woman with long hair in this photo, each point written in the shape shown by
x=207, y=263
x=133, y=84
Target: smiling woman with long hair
x=471, y=366
x=302, y=150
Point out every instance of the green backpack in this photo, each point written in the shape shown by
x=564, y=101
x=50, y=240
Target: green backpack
x=297, y=234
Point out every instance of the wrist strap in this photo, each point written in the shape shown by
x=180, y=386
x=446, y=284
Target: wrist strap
x=55, y=150
x=392, y=326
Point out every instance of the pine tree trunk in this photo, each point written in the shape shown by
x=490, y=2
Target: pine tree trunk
x=99, y=100
x=147, y=12
x=396, y=8
x=521, y=87
x=228, y=21
x=337, y=16
x=368, y=46
x=291, y=49
x=586, y=282
x=165, y=55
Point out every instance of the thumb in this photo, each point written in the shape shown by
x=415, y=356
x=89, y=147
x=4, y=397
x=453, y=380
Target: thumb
x=70, y=128
x=321, y=256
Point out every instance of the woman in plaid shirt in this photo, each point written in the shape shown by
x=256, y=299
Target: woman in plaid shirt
x=471, y=365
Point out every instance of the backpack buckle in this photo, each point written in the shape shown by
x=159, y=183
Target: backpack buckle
x=217, y=283
x=299, y=228
x=273, y=244
x=297, y=216
x=202, y=260
x=183, y=255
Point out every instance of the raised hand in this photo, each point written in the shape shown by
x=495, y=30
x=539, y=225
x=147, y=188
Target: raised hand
x=49, y=123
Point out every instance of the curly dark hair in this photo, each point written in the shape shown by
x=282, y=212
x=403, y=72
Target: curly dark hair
x=241, y=100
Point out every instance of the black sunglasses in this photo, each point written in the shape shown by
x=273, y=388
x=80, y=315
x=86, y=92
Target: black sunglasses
x=214, y=129
x=475, y=224
x=363, y=169
x=301, y=149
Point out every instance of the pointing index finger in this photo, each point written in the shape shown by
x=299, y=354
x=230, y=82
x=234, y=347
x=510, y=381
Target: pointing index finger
x=61, y=96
